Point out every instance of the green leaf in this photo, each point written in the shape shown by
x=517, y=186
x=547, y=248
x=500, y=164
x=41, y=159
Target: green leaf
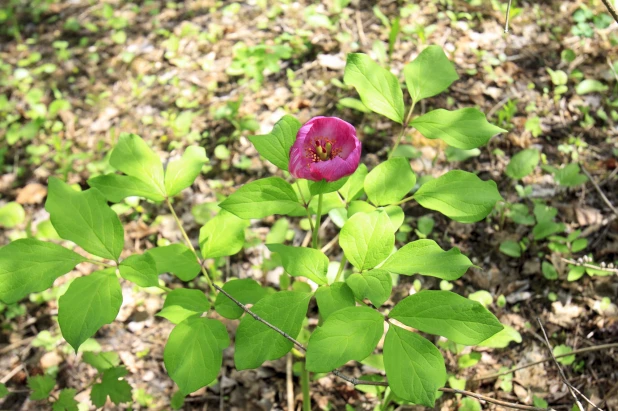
x=246, y=290
x=375, y=285
x=549, y=271
x=223, y=235
x=256, y=342
x=482, y=297
x=302, y=262
x=590, y=86
x=468, y=360
x=333, y=298
x=357, y=206
x=30, y=266
x=353, y=103
x=470, y=404
x=177, y=401
x=414, y=366
x=353, y=188
x=429, y=74
x=85, y=218
x=133, y=157
x=390, y=181
x=378, y=88
x=11, y=214
x=459, y=195
x=3, y=391
x=351, y=333
x=367, y=239
x=181, y=173
x=396, y=215
x=427, y=258
x=447, y=314
x=183, y=303
x=324, y=187
x=262, y=198
x=502, y=339
x=140, y=270
x=564, y=349
x=275, y=147
x=177, y=259
x=466, y=128
x=454, y=154
x=523, y=163
x=101, y=361
x=510, y=248
x=41, y=386
x=116, y=187
x=89, y=303
x=111, y=385
x=570, y=176
x=576, y=272
x=193, y=353
x=66, y=401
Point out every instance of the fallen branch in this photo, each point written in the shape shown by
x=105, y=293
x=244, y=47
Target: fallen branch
x=532, y=364
x=594, y=183
x=562, y=375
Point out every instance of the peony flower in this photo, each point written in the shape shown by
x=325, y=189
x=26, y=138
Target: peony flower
x=326, y=148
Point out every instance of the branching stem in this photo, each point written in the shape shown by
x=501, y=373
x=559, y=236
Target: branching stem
x=190, y=245
x=404, y=127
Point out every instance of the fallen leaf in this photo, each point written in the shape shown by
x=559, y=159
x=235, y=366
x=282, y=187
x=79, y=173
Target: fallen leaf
x=31, y=194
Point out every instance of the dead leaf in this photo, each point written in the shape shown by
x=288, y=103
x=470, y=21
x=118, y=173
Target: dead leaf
x=588, y=216
x=31, y=194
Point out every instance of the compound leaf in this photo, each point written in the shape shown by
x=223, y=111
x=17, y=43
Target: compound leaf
x=414, y=366
x=275, y=146
x=194, y=352
x=427, y=258
x=85, y=218
x=89, y=303
x=29, y=266
x=256, y=342
x=377, y=87
x=351, y=333
x=447, y=314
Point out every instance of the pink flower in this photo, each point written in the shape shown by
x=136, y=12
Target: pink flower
x=326, y=148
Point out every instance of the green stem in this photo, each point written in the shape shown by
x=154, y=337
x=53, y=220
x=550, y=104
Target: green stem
x=90, y=260
x=341, y=267
x=405, y=200
x=188, y=242
x=318, y=217
x=306, y=204
x=304, y=383
x=404, y=127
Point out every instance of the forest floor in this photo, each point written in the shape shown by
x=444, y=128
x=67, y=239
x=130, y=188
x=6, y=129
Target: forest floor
x=214, y=72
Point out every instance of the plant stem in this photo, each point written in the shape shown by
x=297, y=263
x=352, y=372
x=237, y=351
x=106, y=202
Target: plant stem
x=318, y=217
x=405, y=200
x=90, y=260
x=404, y=127
x=306, y=204
x=341, y=267
x=304, y=383
x=188, y=242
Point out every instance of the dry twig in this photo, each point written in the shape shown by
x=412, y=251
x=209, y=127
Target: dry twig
x=596, y=187
x=562, y=375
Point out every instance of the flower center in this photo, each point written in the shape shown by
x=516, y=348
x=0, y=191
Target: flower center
x=322, y=151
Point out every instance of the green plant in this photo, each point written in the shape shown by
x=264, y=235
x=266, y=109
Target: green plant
x=348, y=301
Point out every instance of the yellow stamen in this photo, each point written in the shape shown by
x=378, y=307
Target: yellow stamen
x=321, y=153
